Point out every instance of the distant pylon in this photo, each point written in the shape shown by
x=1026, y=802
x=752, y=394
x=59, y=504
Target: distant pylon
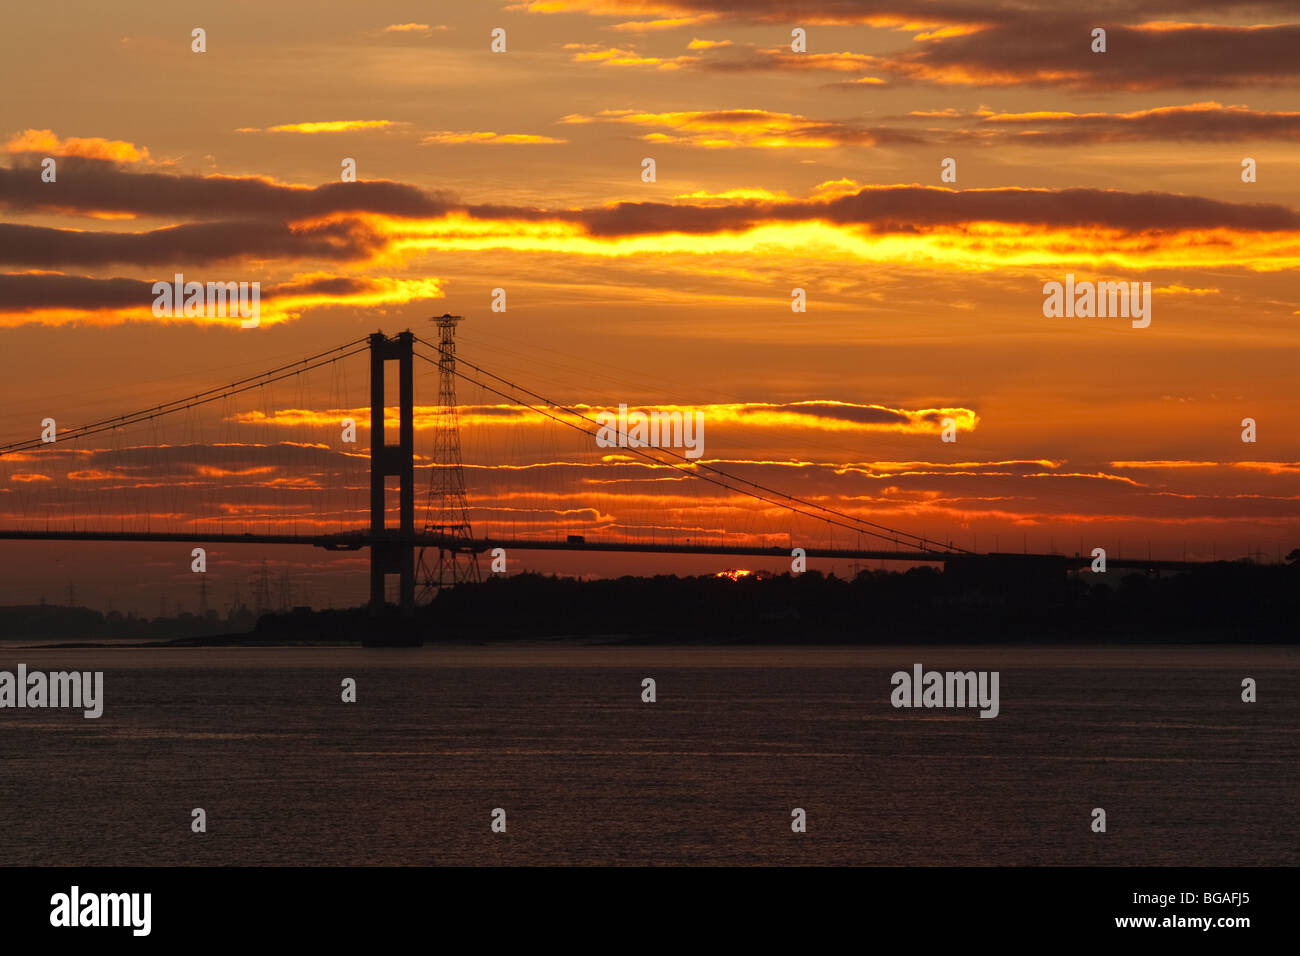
x=448, y=511
x=262, y=591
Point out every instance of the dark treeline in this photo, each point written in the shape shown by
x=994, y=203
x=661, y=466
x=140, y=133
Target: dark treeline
x=981, y=601
x=1237, y=602
x=57, y=622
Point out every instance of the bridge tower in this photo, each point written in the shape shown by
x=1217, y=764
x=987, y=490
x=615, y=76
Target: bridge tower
x=448, y=511
x=397, y=554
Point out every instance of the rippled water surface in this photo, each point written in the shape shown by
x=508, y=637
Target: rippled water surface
x=587, y=773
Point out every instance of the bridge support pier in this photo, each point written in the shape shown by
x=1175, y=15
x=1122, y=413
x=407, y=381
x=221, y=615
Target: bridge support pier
x=397, y=555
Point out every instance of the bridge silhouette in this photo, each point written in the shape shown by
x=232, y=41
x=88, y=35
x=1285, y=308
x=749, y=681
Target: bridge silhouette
x=398, y=549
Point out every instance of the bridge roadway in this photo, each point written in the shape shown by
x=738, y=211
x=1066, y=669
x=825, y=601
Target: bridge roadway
x=354, y=541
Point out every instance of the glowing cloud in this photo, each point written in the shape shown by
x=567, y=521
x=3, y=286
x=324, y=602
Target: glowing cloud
x=328, y=126
x=451, y=138
x=89, y=147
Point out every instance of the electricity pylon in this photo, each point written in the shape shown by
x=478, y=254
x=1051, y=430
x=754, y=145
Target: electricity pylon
x=448, y=511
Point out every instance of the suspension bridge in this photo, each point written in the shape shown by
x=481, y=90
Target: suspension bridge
x=444, y=550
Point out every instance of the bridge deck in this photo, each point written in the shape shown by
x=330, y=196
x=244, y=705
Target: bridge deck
x=357, y=540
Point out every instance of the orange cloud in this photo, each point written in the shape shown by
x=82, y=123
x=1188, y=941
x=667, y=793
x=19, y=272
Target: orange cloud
x=1184, y=290
x=844, y=62
x=412, y=28
x=900, y=15
x=830, y=416
x=1198, y=122
x=98, y=474
x=669, y=23
x=751, y=128
x=1268, y=467
x=974, y=246
x=105, y=303
x=385, y=225
x=1158, y=55
x=90, y=147
x=449, y=137
x=329, y=126
x=615, y=56
x=741, y=194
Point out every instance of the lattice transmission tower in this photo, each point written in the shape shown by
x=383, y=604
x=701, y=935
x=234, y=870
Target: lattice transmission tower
x=448, y=511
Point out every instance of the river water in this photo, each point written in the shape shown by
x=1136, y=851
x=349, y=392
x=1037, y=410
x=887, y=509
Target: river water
x=559, y=738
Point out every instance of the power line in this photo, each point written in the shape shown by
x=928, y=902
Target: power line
x=193, y=401
x=688, y=467
x=863, y=521
x=728, y=481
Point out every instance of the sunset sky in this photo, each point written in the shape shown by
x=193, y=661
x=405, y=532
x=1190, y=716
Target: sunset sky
x=775, y=170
